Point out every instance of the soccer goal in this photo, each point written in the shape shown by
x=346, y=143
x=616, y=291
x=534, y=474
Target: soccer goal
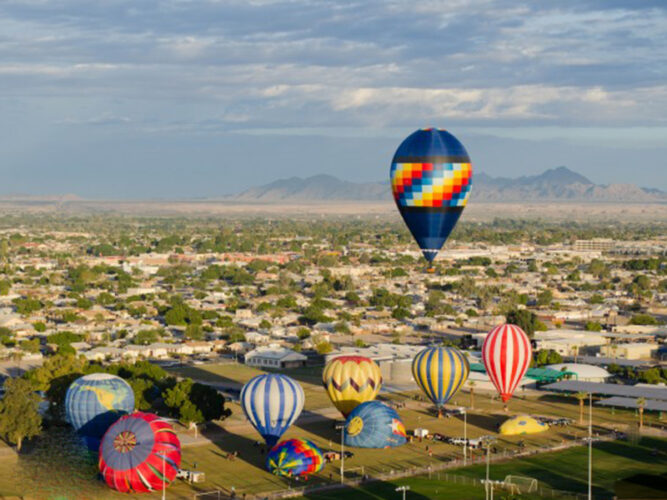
x=520, y=484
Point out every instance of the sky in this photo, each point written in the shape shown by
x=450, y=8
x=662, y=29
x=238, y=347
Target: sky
x=179, y=98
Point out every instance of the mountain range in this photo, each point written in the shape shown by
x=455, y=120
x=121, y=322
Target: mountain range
x=555, y=184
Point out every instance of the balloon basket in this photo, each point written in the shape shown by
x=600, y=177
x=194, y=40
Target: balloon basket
x=430, y=270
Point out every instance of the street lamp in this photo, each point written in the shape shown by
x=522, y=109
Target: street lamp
x=164, y=475
x=465, y=436
x=341, y=427
x=403, y=489
x=590, y=446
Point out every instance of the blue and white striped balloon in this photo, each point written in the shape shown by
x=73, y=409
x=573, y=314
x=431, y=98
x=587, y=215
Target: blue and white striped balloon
x=272, y=402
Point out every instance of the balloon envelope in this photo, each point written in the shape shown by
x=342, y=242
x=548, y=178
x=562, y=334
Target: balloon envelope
x=374, y=425
x=440, y=372
x=295, y=457
x=94, y=402
x=272, y=402
x=350, y=381
x=431, y=179
x=138, y=453
x=506, y=354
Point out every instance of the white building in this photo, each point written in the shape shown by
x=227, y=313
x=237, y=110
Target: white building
x=566, y=342
x=583, y=372
x=275, y=357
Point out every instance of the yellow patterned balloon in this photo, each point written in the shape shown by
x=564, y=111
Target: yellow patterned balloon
x=350, y=381
x=440, y=372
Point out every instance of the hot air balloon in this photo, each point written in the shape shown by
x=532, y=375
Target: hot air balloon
x=139, y=453
x=431, y=178
x=272, y=403
x=351, y=380
x=295, y=457
x=506, y=354
x=94, y=402
x=374, y=425
x=440, y=372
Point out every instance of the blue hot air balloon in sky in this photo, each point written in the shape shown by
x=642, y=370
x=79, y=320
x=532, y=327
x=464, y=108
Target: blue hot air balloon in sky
x=94, y=402
x=431, y=178
x=374, y=425
x=272, y=402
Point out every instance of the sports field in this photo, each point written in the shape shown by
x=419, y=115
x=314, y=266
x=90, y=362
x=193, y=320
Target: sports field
x=565, y=470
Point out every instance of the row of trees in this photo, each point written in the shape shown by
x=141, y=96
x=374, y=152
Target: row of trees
x=154, y=390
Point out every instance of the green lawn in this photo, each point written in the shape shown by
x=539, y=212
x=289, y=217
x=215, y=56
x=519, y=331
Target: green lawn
x=56, y=469
x=568, y=470
x=565, y=470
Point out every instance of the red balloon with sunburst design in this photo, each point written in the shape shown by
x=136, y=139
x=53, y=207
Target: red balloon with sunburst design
x=140, y=453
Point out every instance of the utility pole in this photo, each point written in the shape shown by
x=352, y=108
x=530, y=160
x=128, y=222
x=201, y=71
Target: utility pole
x=342, y=452
x=465, y=437
x=403, y=489
x=164, y=477
x=486, y=483
x=590, y=446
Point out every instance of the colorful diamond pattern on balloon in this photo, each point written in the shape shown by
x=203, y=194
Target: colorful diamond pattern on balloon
x=431, y=184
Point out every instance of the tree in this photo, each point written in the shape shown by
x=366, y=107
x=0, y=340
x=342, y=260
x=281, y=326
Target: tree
x=194, y=332
x=303, y=333
x=581, y=396
x=19, y=415
x=593, y=326
x=324, y=347
x=55, y=376
x=545, y=297
x=644, y=319
x=192, y=402
x=400, y=313
x=524, y=319
x=145, y=337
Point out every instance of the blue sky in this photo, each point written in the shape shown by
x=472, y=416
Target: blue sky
x=146, y=99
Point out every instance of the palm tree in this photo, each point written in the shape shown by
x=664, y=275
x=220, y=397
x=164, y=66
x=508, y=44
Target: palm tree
x=641, y=403
x=471, y=384
x=575, y=351
x=581, y=396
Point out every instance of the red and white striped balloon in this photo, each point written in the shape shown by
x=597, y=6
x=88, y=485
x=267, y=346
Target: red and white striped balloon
x=506, y=354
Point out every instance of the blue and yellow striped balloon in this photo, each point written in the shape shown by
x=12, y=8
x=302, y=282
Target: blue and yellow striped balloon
x=440, y=372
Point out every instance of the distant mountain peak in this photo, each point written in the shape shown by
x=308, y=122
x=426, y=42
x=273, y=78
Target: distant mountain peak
x=555, y=184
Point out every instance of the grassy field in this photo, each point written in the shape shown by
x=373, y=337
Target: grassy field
x=57, y=469
x=565, y=470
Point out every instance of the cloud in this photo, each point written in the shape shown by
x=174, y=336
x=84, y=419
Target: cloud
x=208, y=68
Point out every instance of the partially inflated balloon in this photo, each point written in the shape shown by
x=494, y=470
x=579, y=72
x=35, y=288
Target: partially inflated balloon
x=295, y=457
x=440, y=372
x=94, y=402
x=350, y=381
x=431, y=178
x=506, y=354
x=140, y=453
x=374, y=425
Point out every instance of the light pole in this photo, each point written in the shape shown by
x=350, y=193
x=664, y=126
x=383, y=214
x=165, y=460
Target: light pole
x=465, y=437
x=342, y=452
x=590, y=446
x=164, y=475
x=403, y=489
x=486, y=483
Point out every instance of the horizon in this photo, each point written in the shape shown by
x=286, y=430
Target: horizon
x=171, y=99
x=231, y=195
